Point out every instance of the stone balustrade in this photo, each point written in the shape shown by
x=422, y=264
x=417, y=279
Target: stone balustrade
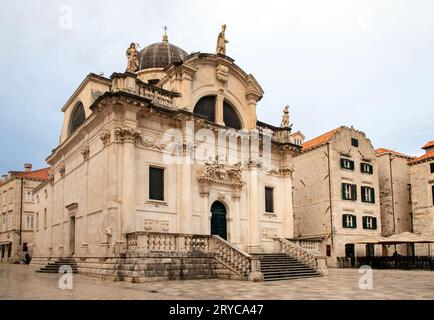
x=236, y=260
x=313, y=246
x=303, y=255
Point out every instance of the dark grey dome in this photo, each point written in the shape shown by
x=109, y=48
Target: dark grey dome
x=159, y=55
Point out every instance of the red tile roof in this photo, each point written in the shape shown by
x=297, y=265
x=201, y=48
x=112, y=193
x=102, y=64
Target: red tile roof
x=41, y=174
x=429, y=144
x=318, y=141
x=427, y=156
x=381, y=151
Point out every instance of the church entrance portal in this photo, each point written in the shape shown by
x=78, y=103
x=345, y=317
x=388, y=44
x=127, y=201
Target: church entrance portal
x=218, y=220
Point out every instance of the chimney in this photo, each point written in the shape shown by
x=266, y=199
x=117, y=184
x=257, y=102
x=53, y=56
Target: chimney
x=429, y=146
x=27, y=167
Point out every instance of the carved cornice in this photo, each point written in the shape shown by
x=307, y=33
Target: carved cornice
x=283, y=171
x=126, y=134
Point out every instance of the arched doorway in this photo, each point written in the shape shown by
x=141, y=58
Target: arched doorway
x=218, y=219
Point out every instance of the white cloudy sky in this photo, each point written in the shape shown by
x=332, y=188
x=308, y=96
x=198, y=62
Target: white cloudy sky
x=369, y=64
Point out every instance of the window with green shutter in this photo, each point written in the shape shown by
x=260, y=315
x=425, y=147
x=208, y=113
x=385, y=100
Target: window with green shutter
x=366, y=168
x=349, y=221
x=349, y=191
x=369, y=223
x=347, y=164
x=368, y=194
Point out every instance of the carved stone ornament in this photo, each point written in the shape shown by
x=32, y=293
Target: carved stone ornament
x=105, y=137
x=222, y=73
x=62, y=170
x=126, y=134
x=152, y=143
x=283, y=171
x=218, y=173
x=85, y=152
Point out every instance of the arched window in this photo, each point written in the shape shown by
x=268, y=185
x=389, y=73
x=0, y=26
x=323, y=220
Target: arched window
x=230, y=116
x=206, y=107
x=77, y=117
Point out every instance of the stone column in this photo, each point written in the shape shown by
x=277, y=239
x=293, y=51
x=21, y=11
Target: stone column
x=219, y=108
x=253, y=210
x=288, y=214
x=127, y=136
x=186, y=86
x=252, y=100
x=204, y=196
x=185, y=176
x=236, y=218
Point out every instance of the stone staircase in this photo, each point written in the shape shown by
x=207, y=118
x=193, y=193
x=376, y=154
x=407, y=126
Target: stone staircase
x=53, y=267
x=279, y=266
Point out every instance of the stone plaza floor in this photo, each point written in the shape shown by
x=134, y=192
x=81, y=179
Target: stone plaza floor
x=22, y=282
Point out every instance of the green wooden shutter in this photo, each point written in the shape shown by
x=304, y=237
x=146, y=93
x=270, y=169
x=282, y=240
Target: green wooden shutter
x=372, y=195
x=344, y=221
x=362, y=190
x=364, y=222
x=342, y=163
x=352, y=165
x=354, y=222
x=353, y=192
x=343, y=191
x=374, y=223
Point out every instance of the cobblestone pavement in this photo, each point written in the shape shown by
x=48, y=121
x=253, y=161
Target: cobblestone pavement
x=21, y=282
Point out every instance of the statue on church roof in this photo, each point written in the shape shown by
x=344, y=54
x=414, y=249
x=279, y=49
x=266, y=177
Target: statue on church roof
x=133, y=58
x=285, y=118
x=221, y=41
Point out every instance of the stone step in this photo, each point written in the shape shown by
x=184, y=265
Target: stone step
x=291, y=277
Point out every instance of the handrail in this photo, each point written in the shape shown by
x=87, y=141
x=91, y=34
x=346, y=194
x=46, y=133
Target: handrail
x=298, y=252
x=232, y=257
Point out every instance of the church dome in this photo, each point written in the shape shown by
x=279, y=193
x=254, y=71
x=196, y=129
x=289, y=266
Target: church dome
x=159, y=55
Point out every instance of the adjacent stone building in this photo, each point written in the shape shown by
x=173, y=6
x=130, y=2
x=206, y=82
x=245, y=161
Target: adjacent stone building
x=395, y=196
x=422, y=184
x=336, y=193
x=17, y=207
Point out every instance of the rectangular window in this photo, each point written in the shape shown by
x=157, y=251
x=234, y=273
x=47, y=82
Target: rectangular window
x=156, y=183
x=45, y=218
x=369, y=223
x=269, y=200
x=29, y=220
x=29, y=196
x=431, y=167
x=354, y=142
x=347, y=164
x=349, y=191
x=366, y=168
x=432, y=191
x=25, y=247
x=368, y=195
x=349, y=221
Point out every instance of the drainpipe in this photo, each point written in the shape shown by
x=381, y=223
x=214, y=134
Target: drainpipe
x=21, y=210
x=330, y=194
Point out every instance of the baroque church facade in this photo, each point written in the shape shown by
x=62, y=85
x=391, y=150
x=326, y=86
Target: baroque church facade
x=170, y=146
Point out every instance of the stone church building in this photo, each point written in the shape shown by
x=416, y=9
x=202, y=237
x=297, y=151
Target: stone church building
x=164, y=155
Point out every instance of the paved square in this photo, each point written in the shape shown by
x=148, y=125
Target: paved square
x=21, y=282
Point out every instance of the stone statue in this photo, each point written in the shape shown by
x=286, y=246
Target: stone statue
x=133, y=58
x=285, y=118
x=221, y=41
